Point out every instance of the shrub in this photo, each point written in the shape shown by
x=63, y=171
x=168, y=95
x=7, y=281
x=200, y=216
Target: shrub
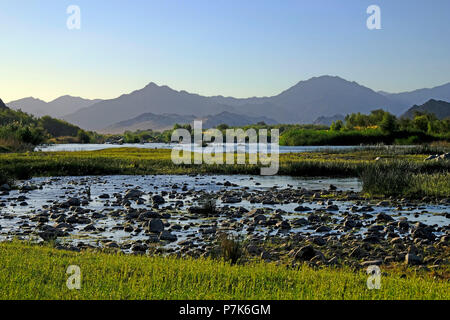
x=392, y=179
x=230, y=248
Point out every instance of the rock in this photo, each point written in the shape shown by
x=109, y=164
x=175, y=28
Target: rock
x=371, y=263
x=5, y=187
x=139, y=247
x=434, y=156
x=266, y=256
x=403, y=225
x=322, y=229
x=104, y=196
x=252, y=249
x=133, y=194
x=283, y=225
x=445, y=239
x=383, y=217
x=396, y=240
x=302, y=209
x=357, y=253
x=72, y=202
x=98, y=215
x=413, y=249
x=157, y=199
x=349, y=224
x=373, y=238
x=332, y=207
x=299, y=222
x=319, y=241
x=166, y=235
x=144, y=216
x=231, y=200
x=423, y=233
x=306, y=253
x=111, y=244
x=156, y=225
x=333, y=261
x=255, y=212
x=89, y=227
x=412, y=259
x=313, y=218
x=259, y=217
x=48, y=235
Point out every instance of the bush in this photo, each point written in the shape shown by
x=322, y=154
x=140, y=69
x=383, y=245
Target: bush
x=387, y=179
x=230, y=248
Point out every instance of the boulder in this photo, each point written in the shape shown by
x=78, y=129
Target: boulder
x=307, y=253
x=412, y=259
x=157, y=199
x=166, y=235
x=156, y=225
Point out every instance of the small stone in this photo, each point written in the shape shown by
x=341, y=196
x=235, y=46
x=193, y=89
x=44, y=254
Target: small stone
x=166, y=235
x=412, y=259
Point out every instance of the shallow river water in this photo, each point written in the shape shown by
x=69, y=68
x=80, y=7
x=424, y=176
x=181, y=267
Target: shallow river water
x=180, y=193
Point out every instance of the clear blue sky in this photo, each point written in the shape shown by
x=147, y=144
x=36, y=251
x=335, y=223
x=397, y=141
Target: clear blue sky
x=231, y=47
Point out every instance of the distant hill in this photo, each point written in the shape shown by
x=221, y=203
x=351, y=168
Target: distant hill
x=440, y=108
x=302, y=103
x=327, y=121
x=2, y=105
x=418, y=97
x=56, y=108
x=234, y=120
x=326, y=96
x=156, y=122
x=151, y=99
x=167, y=121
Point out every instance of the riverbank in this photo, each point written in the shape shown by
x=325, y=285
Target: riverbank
x=409, y=175
x=39, y=272
x=278, y=219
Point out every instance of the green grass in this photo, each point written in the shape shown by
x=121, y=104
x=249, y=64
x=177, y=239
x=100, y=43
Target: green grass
x=37, y=272
x=133, y=161
x=145, y=161
x=402, y=178
x=368, y=136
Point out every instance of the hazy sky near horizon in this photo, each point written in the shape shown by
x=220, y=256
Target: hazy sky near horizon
x=235, y=48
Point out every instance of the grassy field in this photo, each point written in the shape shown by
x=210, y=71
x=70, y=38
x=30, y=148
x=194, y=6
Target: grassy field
x=37, y=272
x=133, y=161
x=151, y=161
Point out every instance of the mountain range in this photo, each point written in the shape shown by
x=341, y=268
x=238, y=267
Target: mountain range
x=418, y=97
x=56, y=108
x=161, y=122
x=440, y=109
x=327, y=121
x=304, y=102
x=2, y=105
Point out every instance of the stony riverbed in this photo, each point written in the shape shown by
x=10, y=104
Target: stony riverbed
x=321, y=221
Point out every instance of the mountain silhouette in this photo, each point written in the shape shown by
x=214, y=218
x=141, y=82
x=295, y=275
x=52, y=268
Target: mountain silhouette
x=440, y=109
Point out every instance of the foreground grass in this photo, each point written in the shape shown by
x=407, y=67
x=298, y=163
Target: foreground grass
x=36, y=272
